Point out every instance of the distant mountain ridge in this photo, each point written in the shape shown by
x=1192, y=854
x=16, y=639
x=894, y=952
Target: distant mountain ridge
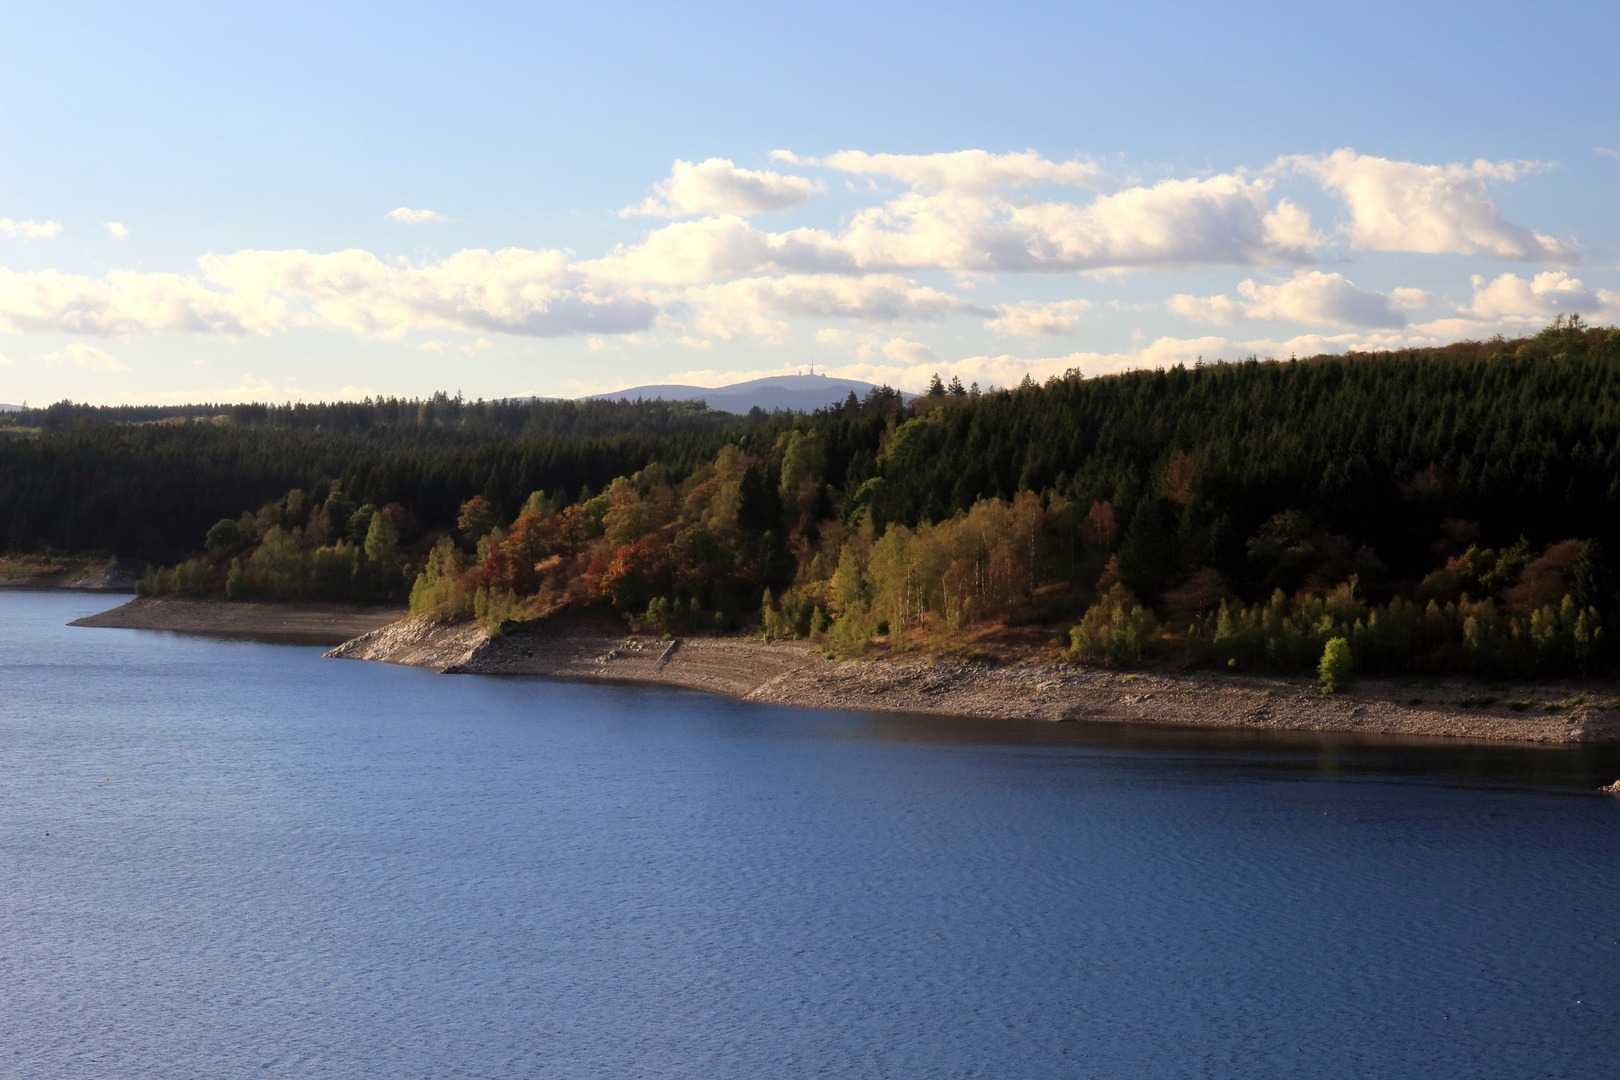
x=802, y=393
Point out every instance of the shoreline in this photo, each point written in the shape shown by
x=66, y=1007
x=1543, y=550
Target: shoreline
x=304, y=623
x=793, y=673
x=109, y=578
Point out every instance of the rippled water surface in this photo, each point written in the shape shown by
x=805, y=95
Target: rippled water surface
x=227, y=859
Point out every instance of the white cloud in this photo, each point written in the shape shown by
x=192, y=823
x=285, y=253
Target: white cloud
x=694, y=252
x=729, y=309
x=467, y=349
x=1405, y=206
x=32, y=230
x=908, y=352
x=1538, y=299
x=1222, y=309
x=692, y=282
x=512, y=291
x=46, y=301
x=533, y=293
x=970, y=170
x=1413, y=299
x=1508, y=305
x=1219, y=220
x=1606, y=152
x=1029, y=319
x=85, y=356
x=116, y=228
x=1312, y=297
x=717, y=186
x=414, y=217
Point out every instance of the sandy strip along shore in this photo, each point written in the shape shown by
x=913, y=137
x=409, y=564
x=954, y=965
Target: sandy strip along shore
x=795, y=674
x=304, y=623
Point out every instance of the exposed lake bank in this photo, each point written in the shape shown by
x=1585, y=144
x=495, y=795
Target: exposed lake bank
x=78, y=573
x=305, y=623
x=793, y=673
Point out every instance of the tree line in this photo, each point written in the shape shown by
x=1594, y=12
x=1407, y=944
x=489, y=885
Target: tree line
x=1443, y=508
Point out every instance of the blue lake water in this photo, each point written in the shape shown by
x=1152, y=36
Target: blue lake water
x=227, y=859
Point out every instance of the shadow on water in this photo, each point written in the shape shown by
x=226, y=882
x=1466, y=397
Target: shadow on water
x=1575, y=769
x=1560, y=768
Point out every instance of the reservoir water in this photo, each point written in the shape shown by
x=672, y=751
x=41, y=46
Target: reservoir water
x=226, y=859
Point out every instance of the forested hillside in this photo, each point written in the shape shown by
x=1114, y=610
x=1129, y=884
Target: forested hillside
x=117, y=480
x=1437, y=507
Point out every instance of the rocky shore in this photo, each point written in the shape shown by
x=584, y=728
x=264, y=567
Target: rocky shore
x=795, y=674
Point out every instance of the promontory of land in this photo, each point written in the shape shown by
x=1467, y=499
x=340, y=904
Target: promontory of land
x=307, y=623
x=81, y=574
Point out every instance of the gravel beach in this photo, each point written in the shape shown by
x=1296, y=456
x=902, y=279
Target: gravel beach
x=794, y=673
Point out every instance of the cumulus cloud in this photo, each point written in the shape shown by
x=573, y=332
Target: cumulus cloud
x=513, y=291
x=46, y=301
x=86, y=356
x=1219, y=220
x=414, y=217
x=32, y=230
x=716, y=248
x=1412, y=299
x=960, y=213
x=116, y=228
x=717, y=186
x=533, y=293
x=1030, y=319
x=729, y=309
x=970, y=170
x=911, y=353
x=1312, y=297
x=1541, y=297
x=1434, y=209
x=1507, y=304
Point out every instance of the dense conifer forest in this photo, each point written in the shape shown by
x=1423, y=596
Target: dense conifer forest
x=1430, y=509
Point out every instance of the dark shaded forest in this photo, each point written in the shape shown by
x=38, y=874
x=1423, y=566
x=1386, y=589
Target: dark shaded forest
x=146, y=483
x=1442, y=507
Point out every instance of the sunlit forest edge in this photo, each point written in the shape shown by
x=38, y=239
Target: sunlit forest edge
x=1428, y=510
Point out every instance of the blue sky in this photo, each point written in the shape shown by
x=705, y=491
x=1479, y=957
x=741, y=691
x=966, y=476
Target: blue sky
x=195, y=199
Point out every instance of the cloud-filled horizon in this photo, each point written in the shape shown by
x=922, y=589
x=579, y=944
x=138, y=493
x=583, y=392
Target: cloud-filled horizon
x=845, y=239
x=714, y=273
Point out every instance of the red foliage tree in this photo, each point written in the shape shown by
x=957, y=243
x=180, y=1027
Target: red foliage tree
x=638, y=572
